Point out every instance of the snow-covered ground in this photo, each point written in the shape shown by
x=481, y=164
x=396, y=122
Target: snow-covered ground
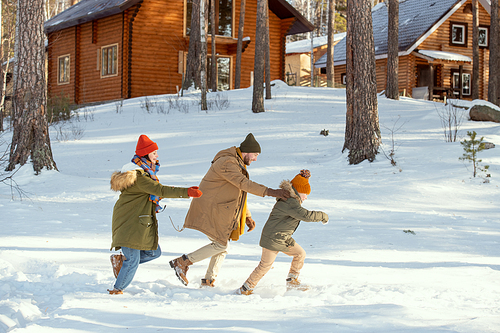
x=410, y=248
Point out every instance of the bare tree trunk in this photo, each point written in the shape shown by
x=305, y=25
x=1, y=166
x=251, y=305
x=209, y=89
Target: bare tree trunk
x=493, y=82
x=239, y=46
x=268, y=55
x=362, y=134
x=192, y=75
x=330, y=78
x=203, y=53
x=392, y=89
x=259, y=59
x=213, y=73
x=31, y=132
x=475, y=50
x=8, y=26
x=2, y=73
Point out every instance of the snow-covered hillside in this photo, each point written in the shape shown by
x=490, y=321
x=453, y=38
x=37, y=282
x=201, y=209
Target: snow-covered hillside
x=410, y=248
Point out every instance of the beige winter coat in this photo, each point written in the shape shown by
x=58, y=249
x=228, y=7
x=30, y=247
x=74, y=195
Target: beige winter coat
x=224, y=188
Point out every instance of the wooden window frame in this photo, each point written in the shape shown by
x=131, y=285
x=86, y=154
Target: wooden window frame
x=343, y=79
x=59, y=82
x=465, y=27
x=230, y=70
x=457, y=72
x=107, y=74
x=487, y=29
x=233, y=21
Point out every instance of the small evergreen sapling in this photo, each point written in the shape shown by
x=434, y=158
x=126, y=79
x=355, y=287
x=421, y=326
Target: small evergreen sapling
x=472, y=147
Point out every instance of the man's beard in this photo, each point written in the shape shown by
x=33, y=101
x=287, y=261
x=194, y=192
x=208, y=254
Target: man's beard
x=246, y=160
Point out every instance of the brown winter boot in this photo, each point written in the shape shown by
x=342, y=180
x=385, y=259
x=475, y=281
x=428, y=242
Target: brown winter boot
x=292, y=283
x=207, y=283
x=181, y=266
x=244, y=290
x=115, y=292
x=117, y=262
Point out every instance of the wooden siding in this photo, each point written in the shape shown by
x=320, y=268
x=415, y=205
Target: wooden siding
x=61, y=43
x=440, y=40
x=149, y=36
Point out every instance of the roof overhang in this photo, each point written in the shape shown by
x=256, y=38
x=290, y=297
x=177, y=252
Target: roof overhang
x=97, y=11
x=442, y=57
x=435, y=26
x=283, y=10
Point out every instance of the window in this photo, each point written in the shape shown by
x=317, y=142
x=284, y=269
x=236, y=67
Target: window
x=465, y=83
x=223, y=73
x=223, y=17
x=63, y=69
x=483, y=37
x=458, y=34
x=109, y=60
x=343, y=79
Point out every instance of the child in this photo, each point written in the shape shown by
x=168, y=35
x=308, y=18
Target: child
x=277, y=233
x=135, y=227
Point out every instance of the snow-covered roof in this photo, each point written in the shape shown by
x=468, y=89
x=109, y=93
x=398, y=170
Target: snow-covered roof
x=417, y=20
x=442, y=55
x=303, y=46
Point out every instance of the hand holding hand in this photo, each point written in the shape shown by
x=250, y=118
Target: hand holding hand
x=250, y=224
x=194, y=192
x=280, y=193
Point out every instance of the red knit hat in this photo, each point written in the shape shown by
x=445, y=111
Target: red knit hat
x=145, y=146
x=301, y=182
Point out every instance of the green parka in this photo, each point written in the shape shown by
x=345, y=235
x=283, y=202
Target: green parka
x=134, y=217
x=284, y=220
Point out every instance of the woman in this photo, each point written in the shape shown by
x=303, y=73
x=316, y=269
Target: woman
x=135, y=227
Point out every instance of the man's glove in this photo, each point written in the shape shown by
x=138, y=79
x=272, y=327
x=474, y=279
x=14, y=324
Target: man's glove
x=324, y=220
x=250, y=224
x=280, y=193
x=194, y=192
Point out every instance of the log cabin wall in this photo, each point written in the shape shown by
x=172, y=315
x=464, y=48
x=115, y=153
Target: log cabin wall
x=157, y=38
x=61, y=43
x=405, y=74
x=149, y=37
x=440, y=40
x=92, y=86
x=277, y=30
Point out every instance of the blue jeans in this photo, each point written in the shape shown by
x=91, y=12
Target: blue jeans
x=131, y=263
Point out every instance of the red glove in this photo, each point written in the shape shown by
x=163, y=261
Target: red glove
x=194, y=192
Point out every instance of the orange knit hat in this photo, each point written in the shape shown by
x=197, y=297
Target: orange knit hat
x=145, y=146
x=301, y=182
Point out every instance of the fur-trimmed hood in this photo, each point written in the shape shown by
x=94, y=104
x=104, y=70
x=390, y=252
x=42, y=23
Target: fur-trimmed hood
x=122, y=180
x=287, y=185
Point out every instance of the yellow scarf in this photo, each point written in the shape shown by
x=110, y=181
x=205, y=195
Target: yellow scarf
x=235, y=234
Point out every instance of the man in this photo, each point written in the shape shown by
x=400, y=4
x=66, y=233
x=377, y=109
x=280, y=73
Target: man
x=221, y=213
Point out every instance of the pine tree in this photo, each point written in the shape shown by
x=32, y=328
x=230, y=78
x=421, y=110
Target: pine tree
x=362, y=133
x=31, y=132
x=472, y=147
x=392, y=89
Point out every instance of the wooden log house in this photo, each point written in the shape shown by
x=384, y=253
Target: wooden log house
x=435, y=48
x=103, y=50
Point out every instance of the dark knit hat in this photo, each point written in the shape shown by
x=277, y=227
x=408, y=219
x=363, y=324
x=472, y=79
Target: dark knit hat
x=145, y=146
x=250, y=145
x=301, y=182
